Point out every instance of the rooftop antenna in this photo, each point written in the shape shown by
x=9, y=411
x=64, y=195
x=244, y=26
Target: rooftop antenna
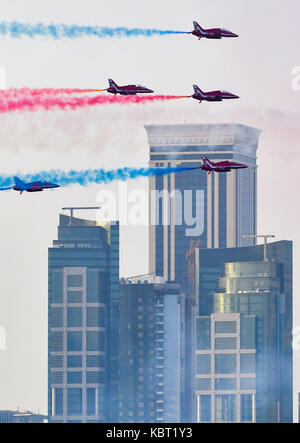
x=265, y=237
x=78, y=208
x=137, y=276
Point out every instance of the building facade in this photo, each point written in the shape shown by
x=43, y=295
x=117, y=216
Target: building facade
x=213, y=208
x=151, y=332
x=21, y=417
x=244, y=357
x=192, y=207
x=83, y=316
x=225, y=369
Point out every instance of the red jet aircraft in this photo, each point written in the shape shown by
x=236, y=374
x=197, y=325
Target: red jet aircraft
x=213, y=96
x=127, y=90
x=224, y=166
x=216, y=33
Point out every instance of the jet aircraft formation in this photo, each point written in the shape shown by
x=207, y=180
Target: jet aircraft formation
x=114, y=88
x=212, y=96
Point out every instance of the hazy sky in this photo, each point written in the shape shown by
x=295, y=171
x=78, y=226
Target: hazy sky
x=258, y=67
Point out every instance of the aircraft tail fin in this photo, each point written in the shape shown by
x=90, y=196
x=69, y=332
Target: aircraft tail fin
x=198, y=90
x=206, y=160
x=197, y=27
x=19, y=183
x=112, y=84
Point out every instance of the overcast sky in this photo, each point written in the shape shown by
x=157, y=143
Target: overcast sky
x=257, y=66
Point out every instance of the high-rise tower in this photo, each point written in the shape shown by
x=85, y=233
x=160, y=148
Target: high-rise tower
x=83, y=321
x=244, y=356
x=193, y=205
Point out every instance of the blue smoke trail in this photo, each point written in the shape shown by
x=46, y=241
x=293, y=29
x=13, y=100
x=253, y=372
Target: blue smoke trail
x=17, y=30
x=85, y=177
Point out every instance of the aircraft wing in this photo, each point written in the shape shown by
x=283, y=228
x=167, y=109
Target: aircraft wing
x=235, y=166
x=5, y=189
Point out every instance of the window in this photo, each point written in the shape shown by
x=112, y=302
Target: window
x=58, y=401
x=203, y=364
x=247, y=363
x=225, y=327
x=95, y=361
x=205, y=408
x=56, y=317
x=74, y=281
x=225, y=363
x=74, y=341
x=225, y=384
x=57, y=287
x=56, y=361
x=247, y=383
x=56, y=341
x=95, y=341
x=74, y=296
x=203, y=384
x=225, y=343
x=225, y=408
x=247, y=332
x=57, y=378
x=95, y=377
x=203, y=333
x=74, y=361
x=93, y=287
x=95, y=317
x=74, y=317
x=91, y=401
x=74, y=401
x=74, y=377
x=246, y=407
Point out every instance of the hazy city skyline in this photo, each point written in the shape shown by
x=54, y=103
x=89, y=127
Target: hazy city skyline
x=259, y=67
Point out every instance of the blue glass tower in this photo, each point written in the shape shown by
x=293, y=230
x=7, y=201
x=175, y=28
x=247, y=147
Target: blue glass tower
x=224, y=203
x=194, y=207
x=244, y=357
x=152, y=363
x=83, y=322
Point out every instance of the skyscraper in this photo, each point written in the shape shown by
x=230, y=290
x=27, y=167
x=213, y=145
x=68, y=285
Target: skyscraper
x=152, y=377
x=216, y=208
x=83, y=322
x=21, y=417
x=244, y=357
x=192, y=208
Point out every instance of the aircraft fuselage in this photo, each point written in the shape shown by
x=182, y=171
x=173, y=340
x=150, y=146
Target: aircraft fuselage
x=129, y=90
x=214, y=96
x=213, y=34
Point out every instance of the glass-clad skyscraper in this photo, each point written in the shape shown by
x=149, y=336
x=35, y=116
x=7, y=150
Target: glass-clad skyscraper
x=243, y=364
x=152, y=364
x=83, y=321
x=194, y=205
x=225, y=380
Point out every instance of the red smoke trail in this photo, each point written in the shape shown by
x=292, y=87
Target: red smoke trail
x=47, y=103
x=16, y=93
